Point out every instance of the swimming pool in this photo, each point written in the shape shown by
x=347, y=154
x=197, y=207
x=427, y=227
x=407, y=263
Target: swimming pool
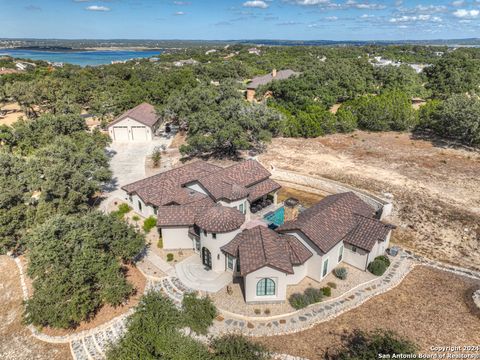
x=276, y=217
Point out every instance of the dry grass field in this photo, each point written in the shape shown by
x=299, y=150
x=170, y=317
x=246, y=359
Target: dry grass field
x=430, y=307
x=16, y=341
x=435, y=188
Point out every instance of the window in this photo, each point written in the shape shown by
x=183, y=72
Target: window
x=214, y=235
x=242, y=208
x=340, y=254
x=230, y=262
x=325, y=268
x=155, y=210
x=238, y=264
x=205, y=232
x=139, y=205
x=130, y=199
x=354, y=249
x=266, y=287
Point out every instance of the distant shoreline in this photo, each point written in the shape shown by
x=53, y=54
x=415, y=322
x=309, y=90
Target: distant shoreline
x=68, y=49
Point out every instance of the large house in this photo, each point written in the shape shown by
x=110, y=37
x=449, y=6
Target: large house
x=275, y=75
x=207, y=208
x=138, y=124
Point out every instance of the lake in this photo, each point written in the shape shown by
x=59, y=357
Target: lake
x=82, y=58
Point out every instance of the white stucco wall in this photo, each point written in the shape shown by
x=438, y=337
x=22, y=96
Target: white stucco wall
x=175, y=238
x=134, y=202
x=357, y=259
x=251, y=280
x=196, y=187
x=314, y=264
x=214, y=245
x=300, y=272
x=129, y=123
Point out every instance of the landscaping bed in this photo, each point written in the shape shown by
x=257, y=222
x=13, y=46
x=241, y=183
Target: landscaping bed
x=430, y=307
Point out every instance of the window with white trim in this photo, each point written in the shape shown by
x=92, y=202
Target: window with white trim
x=230, y=260
x=266, y=287
x=340, y=254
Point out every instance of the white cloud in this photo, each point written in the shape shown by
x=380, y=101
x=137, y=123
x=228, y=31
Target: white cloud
x=409, y=19
x=332, y=18
x=458, y=3
x=256, y=4
x=466, y=14
x=179, y=13
x=97, y=8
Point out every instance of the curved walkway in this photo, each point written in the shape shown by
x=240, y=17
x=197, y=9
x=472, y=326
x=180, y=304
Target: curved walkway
x=92, y=344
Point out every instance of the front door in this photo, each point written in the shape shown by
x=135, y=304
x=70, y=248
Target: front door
x=206, y=257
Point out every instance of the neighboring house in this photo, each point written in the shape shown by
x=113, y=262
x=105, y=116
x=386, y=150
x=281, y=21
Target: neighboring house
x=138, y=124
x=181, y=63
x=206, y=208
x=253, y=85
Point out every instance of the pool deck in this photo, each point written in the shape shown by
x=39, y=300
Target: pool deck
x=259, y=216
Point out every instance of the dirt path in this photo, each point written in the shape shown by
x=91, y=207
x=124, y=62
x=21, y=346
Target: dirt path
x=411, y=310
x=435, y=189
x=16, y=341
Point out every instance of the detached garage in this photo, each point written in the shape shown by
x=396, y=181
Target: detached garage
x=138, y=124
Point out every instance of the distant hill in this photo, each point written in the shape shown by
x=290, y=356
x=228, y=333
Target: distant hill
x=65, y=44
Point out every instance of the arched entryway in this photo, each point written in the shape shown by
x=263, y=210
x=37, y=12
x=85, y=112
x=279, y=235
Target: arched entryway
x=206, y=257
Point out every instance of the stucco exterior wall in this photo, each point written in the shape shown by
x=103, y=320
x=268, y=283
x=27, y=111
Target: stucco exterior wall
x=357, y=259
x=251, y=280
x=214, y=245
x=236, y=205
x=300, y=272
x=135, y=202
x=175, y=238
x=314, y=264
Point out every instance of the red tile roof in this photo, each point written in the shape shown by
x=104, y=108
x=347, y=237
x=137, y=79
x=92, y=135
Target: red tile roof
x=330, y=220
x=219, y=219
x=261, y=246
x=367, y=232
x=261, y=189
x=143, y=113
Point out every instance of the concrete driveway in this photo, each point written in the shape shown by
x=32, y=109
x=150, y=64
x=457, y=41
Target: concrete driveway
x=128, y=165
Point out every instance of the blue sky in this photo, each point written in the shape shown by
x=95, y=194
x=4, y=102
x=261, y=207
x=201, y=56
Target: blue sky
x=241, y=19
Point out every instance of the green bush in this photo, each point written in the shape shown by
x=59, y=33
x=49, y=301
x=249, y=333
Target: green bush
x=198, y=313
x=123, y=209
x=169, y=257
x=152, y=333
x=135, y=218
x=377, y=267
x=309, y=296
x=362, y=345
x=160, y=243
x=385, y=259
x=326, y=291
x=236, y=347
x=149, y=224
x=341, y=273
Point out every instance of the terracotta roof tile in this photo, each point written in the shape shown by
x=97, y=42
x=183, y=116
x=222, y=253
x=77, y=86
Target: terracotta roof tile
x=262, y=188
x=143, y=113
x=219, y=219
x=265, y=79
x=330, y=220
x=261, y=246
x=367, y=232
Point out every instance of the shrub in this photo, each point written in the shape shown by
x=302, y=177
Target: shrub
x=309, y=296
x=198, y=313
x=267, y=311
x=385, y=259
x=341, y=273
x=257, y=311
x=361, y=345
x=153, y=330
x=156, y=156
x=326, y=291
x=377, y=267
x=122, y=210
x=160, y=243
x=149, y=224
x=170, y=257
x=235, y=347
x=332, y=285
x=135, y=218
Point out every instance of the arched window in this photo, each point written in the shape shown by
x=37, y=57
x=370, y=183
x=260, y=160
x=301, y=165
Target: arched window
x=266, y=287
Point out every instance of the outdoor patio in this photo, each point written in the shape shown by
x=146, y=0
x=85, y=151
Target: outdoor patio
x=194, y=275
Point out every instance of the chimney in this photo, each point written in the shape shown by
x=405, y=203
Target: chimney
x=274, y=73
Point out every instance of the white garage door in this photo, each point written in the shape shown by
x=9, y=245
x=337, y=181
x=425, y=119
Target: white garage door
x=120, y=133
x=139, y=133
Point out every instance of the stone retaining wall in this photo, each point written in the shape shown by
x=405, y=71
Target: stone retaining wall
x=383, y=206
